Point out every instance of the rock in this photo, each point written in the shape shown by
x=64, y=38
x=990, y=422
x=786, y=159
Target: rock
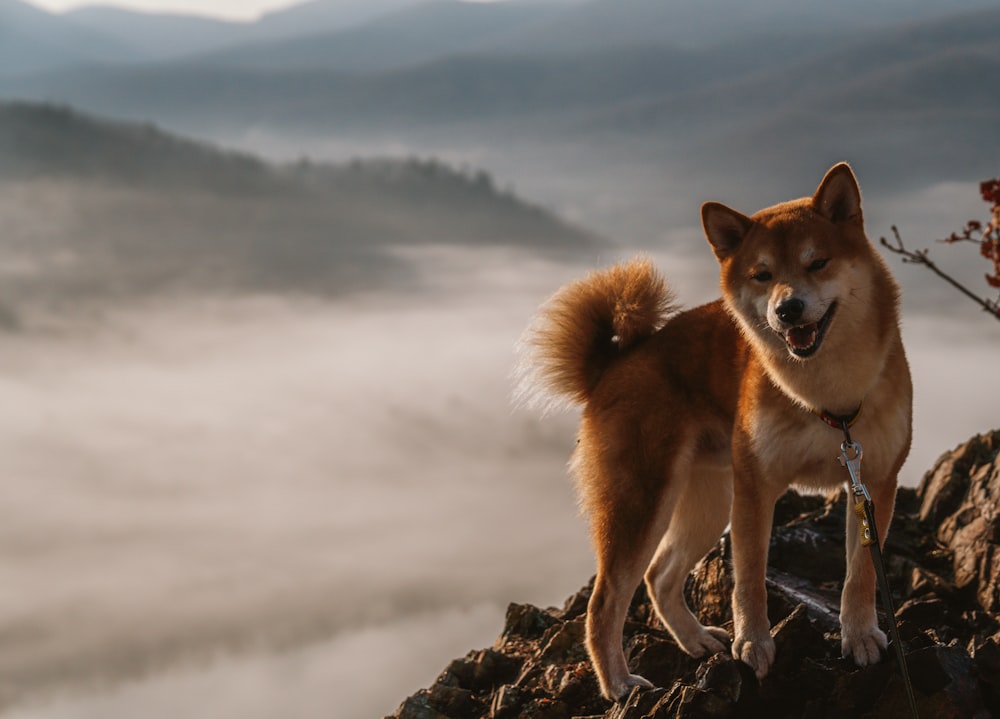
x=943, y=563
x=507, y=701
x=960, y=497
x=986, y=663
x=564, y=643
x=798, y=636
x=576, y=605
x=730, y=680
x=945, y=687
x=659, y=659
x=481, y=671
x=710, y=586
x=418, y=707
x=638, y=704
x=698, y=703
x=453, y=701
x=525, y=622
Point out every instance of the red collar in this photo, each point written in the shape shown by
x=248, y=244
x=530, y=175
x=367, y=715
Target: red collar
x=837, y=421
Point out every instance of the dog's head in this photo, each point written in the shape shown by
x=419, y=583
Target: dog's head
x=789, y=270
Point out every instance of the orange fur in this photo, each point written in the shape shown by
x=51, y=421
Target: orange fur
x=704, y=420
x=587, y=323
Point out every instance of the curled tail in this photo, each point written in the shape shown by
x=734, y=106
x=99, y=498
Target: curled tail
x=580, y=330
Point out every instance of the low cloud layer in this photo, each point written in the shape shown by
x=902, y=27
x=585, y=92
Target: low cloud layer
x=204, y=495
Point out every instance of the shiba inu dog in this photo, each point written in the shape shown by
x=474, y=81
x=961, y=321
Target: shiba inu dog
x=692, y=420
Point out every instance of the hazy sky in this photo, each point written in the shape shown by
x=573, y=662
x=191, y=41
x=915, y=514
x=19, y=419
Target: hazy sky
x=228, y=9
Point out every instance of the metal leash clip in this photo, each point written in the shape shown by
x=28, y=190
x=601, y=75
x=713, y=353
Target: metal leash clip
x=853, y=465
x=861, y=496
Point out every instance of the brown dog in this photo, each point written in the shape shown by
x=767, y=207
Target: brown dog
x=697, y=419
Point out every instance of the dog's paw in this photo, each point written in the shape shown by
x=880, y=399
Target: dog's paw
x=758, y=653
x=865, y=647
x=704, y=642
x=620, y=689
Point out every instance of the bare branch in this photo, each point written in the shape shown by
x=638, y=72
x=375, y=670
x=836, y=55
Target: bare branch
x=921, y=257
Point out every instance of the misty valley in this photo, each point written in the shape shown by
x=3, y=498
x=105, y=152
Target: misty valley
x=101, y=214
x=261, y=285
x=234, y=390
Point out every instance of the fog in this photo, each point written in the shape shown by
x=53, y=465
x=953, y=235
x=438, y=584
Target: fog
x=194, y=481
x=252, y=505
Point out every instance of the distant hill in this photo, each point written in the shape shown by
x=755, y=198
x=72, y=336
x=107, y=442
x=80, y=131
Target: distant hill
x=921, y=96
x=151, y=36
x=462, y=62
x=344, y=34
x=107, y=212
x=44, y=141
x=325, y=16
x=916, y=92
x=32, y=40
x=158, y=36
x=431, y=30
x=703, y=24
x=689, y=94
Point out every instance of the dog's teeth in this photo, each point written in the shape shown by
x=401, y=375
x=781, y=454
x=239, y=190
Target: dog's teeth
x=802, y=338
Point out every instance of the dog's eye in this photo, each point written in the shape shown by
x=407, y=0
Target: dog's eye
x=761, y=276
x=817, y=265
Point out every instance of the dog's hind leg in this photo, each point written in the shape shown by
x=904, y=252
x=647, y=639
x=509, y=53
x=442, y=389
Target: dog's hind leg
x=627, y=527
x=699, y=518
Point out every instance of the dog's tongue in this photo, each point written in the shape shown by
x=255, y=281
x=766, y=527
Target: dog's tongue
x=802, y=338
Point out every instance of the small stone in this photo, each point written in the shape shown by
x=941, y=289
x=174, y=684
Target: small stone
x=452, y=701
x=934, y=668
x=564, y=643
x=659, y=660
x=924, y=612
x=710, y=586
x=578, y=687
x=986, y=664
x=576, y=605
x=524, y=621
x=637, y=704
x=923, y=581
x=858, y=690
x=726, y=677
x=482, y=670
x=796, y=636
x=698, y=703
x=507, y=702
x=418, y=707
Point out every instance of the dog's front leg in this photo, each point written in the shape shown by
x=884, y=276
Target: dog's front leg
x=861, y=637
x=753, y=511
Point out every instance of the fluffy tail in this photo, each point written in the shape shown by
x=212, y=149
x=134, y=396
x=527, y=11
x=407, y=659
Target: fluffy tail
x=580, y=330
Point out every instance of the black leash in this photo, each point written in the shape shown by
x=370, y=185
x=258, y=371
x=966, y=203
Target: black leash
x=864, y=509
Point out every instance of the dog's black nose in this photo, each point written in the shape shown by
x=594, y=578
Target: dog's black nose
x=790, y=311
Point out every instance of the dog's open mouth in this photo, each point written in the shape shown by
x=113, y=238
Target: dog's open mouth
x=804, y=340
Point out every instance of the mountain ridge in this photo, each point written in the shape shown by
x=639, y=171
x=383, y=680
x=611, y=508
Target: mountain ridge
x=796, y=96
x=174, y=36
x=108, y=214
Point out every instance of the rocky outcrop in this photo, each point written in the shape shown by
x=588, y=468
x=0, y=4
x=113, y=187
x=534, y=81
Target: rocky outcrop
x=961, y=497
x=944, y=568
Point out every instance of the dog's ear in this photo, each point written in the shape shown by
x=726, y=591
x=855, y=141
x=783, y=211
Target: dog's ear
x=838, y=197
x=725, y=228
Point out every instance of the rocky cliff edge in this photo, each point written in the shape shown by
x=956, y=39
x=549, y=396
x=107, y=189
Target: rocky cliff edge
x=943, y=558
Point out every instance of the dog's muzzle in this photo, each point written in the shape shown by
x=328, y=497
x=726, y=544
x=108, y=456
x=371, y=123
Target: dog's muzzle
x=804, y=340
